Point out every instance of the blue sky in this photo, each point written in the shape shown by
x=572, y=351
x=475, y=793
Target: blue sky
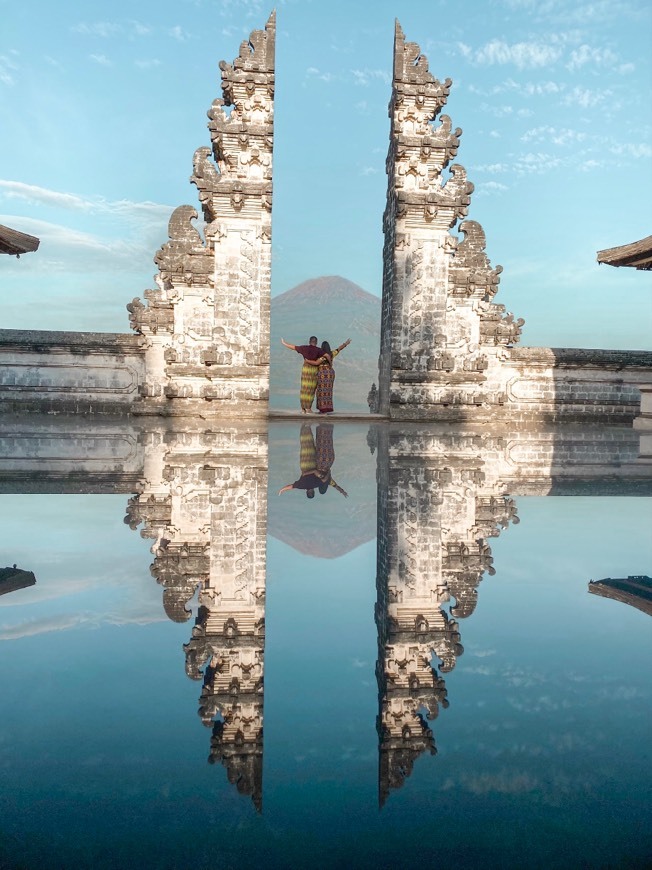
x=103, y=105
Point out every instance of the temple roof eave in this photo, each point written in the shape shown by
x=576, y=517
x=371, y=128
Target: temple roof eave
x=636, y=254
x=14, y=243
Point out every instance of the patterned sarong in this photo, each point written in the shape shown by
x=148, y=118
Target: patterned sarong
x=325, y=382
x=308, y=385
x=307, y=450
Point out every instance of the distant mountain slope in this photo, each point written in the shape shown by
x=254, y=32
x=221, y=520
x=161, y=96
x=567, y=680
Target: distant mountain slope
x=332, y=308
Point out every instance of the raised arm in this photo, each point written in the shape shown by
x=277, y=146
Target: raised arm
x=285, y=488
x=339, y=488
x=344, y=344
x=290, y=346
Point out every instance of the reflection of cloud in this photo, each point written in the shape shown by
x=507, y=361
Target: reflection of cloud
x=358, y=663
x=47, y=592
x=482, y=653
x=483, y=670
x=504, y=782
x=87, y=619
x=622, y=693
x=542, y=704
x=32, y=627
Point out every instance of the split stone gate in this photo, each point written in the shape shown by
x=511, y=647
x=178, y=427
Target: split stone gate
x=201, y=343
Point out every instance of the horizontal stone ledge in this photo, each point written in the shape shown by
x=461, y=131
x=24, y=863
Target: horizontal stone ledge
x=574, y=357
x=211, y=371
x=48, y=341
x=437, y=376
x=62, y=404
x=241, y=185
x=86, y=483
x=229, y=408
x=253, y=129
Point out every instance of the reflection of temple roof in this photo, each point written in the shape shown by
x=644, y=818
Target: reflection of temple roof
x=14, y=578
x=636, y=254
x=15, y=243
x=636, y=590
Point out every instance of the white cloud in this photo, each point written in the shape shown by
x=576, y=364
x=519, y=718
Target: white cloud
x=41, y=195
x=585, y=98
x=103, y=29
x=535, y=88
x=524, y=89
x=486, y=188
x=123, y=234
x=101, y=59
x=365, y=76
x=7, y=68
x=632, y=149
x=596, y=56
x=139, y=29
x=492, y=168
x=523, y=55
x=368, y=170
x=555, y=136
x=148, y=64
x=536, y=163
x=313, y=72
x=141, y=211
x=179, y=33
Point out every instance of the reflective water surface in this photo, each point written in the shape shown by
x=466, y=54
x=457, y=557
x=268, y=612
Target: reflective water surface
x=355, y=646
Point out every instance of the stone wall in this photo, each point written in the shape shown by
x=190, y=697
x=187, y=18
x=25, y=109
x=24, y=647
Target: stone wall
x=69, y=372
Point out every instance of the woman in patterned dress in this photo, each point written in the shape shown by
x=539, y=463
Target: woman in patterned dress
x=326, y=376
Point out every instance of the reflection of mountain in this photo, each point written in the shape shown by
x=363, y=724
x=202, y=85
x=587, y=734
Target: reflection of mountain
x=334, y=309
x=326, y=526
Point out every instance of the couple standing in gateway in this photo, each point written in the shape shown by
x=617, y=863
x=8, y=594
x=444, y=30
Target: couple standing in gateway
x=317, y=373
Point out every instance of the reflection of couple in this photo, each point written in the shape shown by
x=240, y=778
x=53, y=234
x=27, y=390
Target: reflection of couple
x=316, y=458
x=317, y=373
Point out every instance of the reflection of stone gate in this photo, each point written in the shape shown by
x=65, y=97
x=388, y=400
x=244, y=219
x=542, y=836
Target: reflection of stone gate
x=442, y=495
x=203, y=500
x=202, y=344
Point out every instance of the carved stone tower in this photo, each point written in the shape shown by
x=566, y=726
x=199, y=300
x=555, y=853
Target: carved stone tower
x=206, y=325
x=440, y=332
